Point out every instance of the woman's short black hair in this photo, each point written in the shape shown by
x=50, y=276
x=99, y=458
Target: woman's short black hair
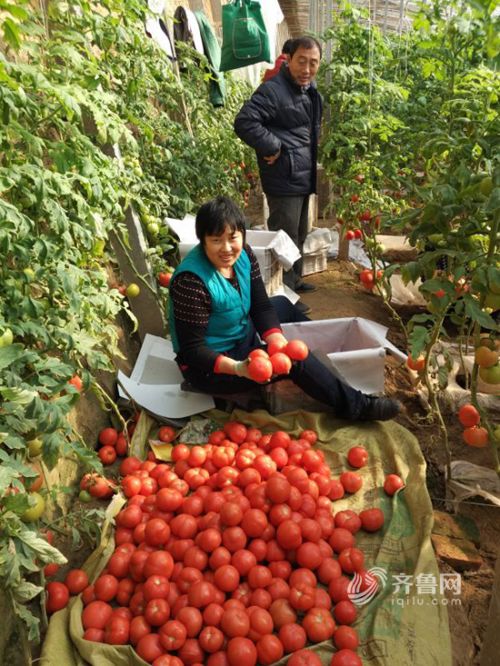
x=215, y=215
x=305, y=42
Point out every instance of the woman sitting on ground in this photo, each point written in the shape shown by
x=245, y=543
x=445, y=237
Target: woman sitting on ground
x=220, y=311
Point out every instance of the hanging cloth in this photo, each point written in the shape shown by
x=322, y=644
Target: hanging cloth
x=186, y=28
x=212, y=52
x=244, y=36
x=157, y=30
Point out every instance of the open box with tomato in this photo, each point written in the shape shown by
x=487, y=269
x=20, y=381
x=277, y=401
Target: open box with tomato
x=354, y=346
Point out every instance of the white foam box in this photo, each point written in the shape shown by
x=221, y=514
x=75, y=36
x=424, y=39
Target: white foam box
x=355, y=347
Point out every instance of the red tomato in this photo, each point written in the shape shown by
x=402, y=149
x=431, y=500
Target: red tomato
x=269, y=649
x=393, y=483
x=341, y=539
x=351, y=481
x=260, y=369
x=476, y=436
x=156, y=587
x=372, y=519
x=106, y=587
x=227, y=578
x=200, y=594
x=180, y=452
x=76, y=382
x=234, y=538
x=231, y=514
x=293, y=637
x=57, y=597
x=319, y=625
x=166, y=433
x=235, y=622
x=158, y=562
x=149, y=647
x=299, y=576
x=357, y=456
x=348, y=520
x=346, y=638
x=76, y=581
x=192, y=619
x=297, y=350
x=129, y=465
x=259, y=576
x=50, y=570
x=302, y=597
x=96, y=615
x=172, y=635
x=131, y=486
x=212, y=615
x=469, y=416
x=278, y=489
x=117, y=631
x=345, y=612
x=336, y=490
x=243, y=560
x=167, y=659
x=351, y=560
x=237, y=431
x=309, y=435
x=107, y=455
x=289, y=535
x=308, y=555
x=329, y=568
x=346, y=658
x=94, y=635
x=304, y=658
x=108, y=437
x=282, y=613
x=211, y=639
x=241, y=652
x=281, y=363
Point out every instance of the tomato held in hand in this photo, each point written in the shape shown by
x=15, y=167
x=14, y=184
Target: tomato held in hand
x=297, y=350
x=281, y=363
x=260, y=369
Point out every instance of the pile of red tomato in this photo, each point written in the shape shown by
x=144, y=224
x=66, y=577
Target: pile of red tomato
x=232, y=555
x=277, y=360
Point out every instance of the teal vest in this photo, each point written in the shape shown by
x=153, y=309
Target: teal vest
x=228, y=321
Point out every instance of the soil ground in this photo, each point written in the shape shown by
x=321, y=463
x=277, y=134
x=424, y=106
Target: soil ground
x=340, y=294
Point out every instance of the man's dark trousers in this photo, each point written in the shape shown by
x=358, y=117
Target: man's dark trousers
x=292, y=215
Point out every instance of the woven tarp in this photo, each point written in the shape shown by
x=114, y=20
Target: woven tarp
x=406, y=623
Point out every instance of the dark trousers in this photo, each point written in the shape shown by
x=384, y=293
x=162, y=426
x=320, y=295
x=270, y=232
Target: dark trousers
x=312, y=376
x=292, y=215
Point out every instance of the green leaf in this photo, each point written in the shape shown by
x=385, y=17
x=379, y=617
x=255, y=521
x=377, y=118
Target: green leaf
x=26, y=591
x=476, y=314
x=11, y=354
x=11, y=34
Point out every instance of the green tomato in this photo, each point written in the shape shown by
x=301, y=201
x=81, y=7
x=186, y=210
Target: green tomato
x=29, y=273
x=84, y=496
x=486, y=186
x=6, y=338
x=153, y=228
x=35, y=510
x=435, y=238
x=35, y=447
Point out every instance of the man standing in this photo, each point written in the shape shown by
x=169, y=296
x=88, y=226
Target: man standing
x=281, y=122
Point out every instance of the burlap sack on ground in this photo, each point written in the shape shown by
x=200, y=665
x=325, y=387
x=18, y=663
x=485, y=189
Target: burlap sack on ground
x=403, y=627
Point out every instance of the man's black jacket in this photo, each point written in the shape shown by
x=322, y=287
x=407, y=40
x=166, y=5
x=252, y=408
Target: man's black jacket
x=283, y=116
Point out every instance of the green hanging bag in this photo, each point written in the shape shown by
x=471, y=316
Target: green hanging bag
x=244, y=35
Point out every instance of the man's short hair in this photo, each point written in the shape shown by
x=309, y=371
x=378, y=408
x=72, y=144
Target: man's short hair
x=304, y=42
x=286, y=46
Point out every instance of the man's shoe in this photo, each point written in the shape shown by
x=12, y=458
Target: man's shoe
x=380, y=409
x=304, y=286
x=302, y=307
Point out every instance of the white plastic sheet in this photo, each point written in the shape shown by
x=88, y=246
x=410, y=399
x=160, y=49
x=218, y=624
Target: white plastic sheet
x=154, y=383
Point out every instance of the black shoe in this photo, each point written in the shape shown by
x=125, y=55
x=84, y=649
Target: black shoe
x=302, y=307
x=380, y=409
x=304, y=286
